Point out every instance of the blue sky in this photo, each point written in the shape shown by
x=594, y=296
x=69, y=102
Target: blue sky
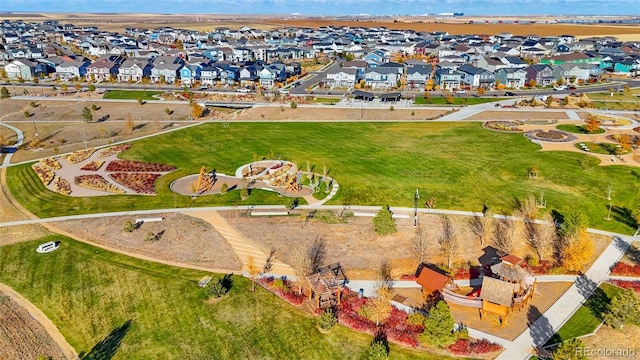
x=333, y=7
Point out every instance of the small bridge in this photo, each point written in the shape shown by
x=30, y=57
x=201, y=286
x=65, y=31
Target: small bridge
x=225, y=104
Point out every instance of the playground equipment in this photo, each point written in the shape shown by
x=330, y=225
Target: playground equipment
x=206, y=180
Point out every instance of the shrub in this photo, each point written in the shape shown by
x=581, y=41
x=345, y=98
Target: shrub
x=327, y=319
x=128, y=226
x=415, y=319
x=216, y=289
x=383, y=222
x=293, y=104
x=626, y=269
x=280, y=284
x=4, y=93
x=224, y=188
x=378, y=350
x=391, y=108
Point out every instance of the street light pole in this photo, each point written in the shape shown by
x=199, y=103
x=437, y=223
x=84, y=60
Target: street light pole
x=415, y=208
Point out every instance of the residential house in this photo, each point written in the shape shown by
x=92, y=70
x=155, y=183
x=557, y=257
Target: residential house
x=514, y=62
x=590, y=72
x=250, y=75
x=568, y=72
x=477, y=77
x=71, y=69
x=572, y=58
x=20, y=69
x=104, y=68
x=448, y=79
x=134, y=69
x=271, y=74
x=385, y=78
x=513, y=78
x=208, y=75
x=542, y=75
x=166, y=69
x=229, y=75
x=492, y=64
x=376, y=57
x=418, y=76
x=190, y=73
x=399, y=68
x=343, y=77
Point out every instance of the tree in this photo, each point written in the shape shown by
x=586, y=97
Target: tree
x=572, y=349
x=327, y=319
x=306, y=261
x=254, y=271
x=379, y=307
x=92, y=87
x=449, y=239
x=64, y=87
x=592, y=125
x=129, y=125
x=378, y=350
x=504, y=235
x=624, y=309
x=480, y=91
x=532, y=83
x=481, y=226
x=561, y=81
x=78, y=87
x=26, y=114
x=576, y=252
x=383, y=222
x=140, y=101
x=438, y=327
x=294, y=105
x=574, y=225
x=86, y=114
x=196, y=110
x=4, y=93
x=542, y=237
x=420, y=245
x=449, y=98
x=156, y=123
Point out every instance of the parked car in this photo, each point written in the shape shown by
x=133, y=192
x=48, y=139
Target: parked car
x=509, y=93
x=284, y=91
x=244, y=90
x=560, y=88
x=461, y=91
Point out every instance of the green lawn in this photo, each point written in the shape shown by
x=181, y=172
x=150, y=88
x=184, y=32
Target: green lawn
x=437, y=100
x=141, y=310
x=588, y=317
x=603, y=148
x=326, y=101
x=617, y=105
x=461, y=165
x=131, y=94
x=578, y=129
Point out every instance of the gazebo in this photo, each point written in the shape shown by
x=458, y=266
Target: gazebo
x=388, y=97
x=509, y=270
x=363, y=95
x=327, y=284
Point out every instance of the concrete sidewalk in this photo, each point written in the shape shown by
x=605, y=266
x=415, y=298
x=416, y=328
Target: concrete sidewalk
x=557, y=315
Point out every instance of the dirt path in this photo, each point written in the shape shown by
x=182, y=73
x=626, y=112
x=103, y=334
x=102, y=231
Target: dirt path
x=39, y=316
x=243, y=247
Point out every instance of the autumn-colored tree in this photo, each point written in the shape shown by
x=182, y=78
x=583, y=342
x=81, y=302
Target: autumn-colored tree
x=532, y=83
x=625, y=141
x=480, y=91
x=576, y=252
x=196, y=110
x=78, y=87
x=129, y=125
x=254, y=271
x=379, y=307
x=592, y=125
x=449, y=98
x=64, y=87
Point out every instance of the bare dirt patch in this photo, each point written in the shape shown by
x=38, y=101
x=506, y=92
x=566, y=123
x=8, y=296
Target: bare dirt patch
x=181, y=238
x=21, y=336
x=332, y=113
x=611, y=339
x=350, y=243
x=61, y=127
x=519, y=115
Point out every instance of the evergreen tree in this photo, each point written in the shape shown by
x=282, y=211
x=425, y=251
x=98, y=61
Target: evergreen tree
x=623, y=310
x=383, y=223
x=438, y=327
x=570, y=350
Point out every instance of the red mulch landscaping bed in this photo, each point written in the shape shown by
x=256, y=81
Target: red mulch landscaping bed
x=141, y=183
x=137, y=166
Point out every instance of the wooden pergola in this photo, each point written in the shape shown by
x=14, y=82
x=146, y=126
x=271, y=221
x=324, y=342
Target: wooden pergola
x=327, y=284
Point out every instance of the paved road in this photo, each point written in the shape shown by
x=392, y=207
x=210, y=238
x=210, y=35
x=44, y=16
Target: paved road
x=19, y=140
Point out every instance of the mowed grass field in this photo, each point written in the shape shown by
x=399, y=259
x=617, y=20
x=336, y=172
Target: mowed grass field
x=460, y=165
x=131, y=94
x=106, y=303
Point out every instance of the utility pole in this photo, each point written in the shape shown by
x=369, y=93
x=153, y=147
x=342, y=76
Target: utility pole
x=415, y=208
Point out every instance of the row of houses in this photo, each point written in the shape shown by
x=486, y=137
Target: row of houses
x=161, y=69
x=249, y=56
x=418, y=75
